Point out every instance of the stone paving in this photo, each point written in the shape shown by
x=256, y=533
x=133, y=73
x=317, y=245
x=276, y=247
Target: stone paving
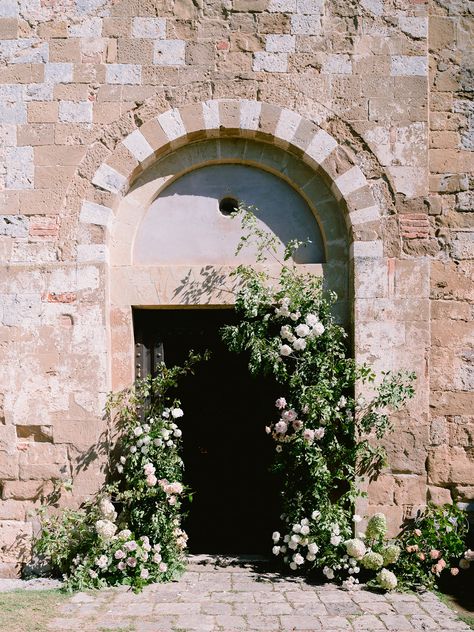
x=223, y=595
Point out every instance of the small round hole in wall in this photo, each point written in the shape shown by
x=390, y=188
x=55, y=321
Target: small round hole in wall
x=228, y=206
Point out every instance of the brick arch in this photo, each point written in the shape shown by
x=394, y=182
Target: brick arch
x=279, y=126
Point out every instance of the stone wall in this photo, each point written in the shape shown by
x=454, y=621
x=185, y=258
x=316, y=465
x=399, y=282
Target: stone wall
x=375, y=96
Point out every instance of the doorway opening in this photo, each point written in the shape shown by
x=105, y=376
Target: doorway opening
x=226, y=452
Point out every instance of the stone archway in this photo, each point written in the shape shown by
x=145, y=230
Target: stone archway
x=313, y=159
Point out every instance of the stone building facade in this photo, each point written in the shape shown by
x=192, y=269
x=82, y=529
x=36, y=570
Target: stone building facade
x=364, y=107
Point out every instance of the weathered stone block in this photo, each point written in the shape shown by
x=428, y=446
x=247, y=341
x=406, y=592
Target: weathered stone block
x=154, y=28
x=169, y=53
x=123, y=74
x=43, y=461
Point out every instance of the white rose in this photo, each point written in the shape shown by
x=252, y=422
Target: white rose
x=355, y=548
x=133, y=449
x=146, y=428
x=285, y=331
x=313, y=548
x=177, y=433
x=315, y=515
x=328, y=572
x=177, y=412
x=304, y=529
x=299, y=344
x=281, y=427
x=336, y=540
x=275, y=536
x=107, y=509
x=295, y=316
x=318, y=329
x=302, y=330
x=105, y=528
x=158, y=442
x=276, y=550
x=295, y=538
x=289, y=415
x=311, y=320
x=296, y=528
x=292, y=545
x=146, y=440
x=138, y=431
x=102, y=561
x=293, y=566
x=319, y=433
x=298, y=559
x=285, y=350
x=310, y=557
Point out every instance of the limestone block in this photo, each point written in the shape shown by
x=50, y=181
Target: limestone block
x=447, y=465
x=9, y=9
x=19, y=168
x=80, y=112
x=92, y=213
x=366, y=249
x=81, y=433
x=169, y=52
x=410, y=489
x=280, y=43
x=154, y=28
x=12, y=113
x=409, y=65
x=109, y=179
x=305, y=25
x=12, y=509
x=337, y=65
x=87, y=27
x=250, y=114
x=465, y=201
x=92, y=253
x=310, y=7
x=172, y=124
x=24, y=51
x=406, y=449
x=282, y=6
x=123, y=74
x=409, y=181
x=58, y=72
x=15, y=536
x=462, y=246
x=411, y=279
x=381, y=491
x=439, y=495
x=270, y=62
x=9, y=466
x=415, y=26
x=13, y=225
x=44, y=461
x=138, y=146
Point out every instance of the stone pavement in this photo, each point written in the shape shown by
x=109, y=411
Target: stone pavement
x=221, y=594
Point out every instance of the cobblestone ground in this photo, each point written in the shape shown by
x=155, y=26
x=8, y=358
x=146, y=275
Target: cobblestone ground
x=244, y=597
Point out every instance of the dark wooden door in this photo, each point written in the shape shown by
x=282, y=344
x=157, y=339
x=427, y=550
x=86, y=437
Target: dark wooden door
x=226, y=451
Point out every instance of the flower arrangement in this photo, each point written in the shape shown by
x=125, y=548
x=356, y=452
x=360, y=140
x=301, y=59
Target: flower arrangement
x=131, y=532
x=322, y=430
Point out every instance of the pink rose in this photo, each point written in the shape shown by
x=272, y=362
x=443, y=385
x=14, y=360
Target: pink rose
x=441, y=564
x=131, y=561
x=454, y=571
x=172, y=500
x=297, y=424
x=119, y=555
x=163, y=567
x=280, y=403
x=417, y=532
x=421, y=556
x=308, y=435
x=121, y=566
x=151, y=480
x=434, y=554
x=289, y=415
x=281, y=427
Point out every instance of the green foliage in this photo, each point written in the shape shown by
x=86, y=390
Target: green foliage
x=432, y=544
x=131, y=532
x=325, y=434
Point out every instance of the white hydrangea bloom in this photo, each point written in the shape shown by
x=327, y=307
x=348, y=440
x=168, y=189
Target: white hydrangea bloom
x=386, y=579
x=355, y=548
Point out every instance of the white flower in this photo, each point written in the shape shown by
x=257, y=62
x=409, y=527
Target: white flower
x=163, y=567
x=285, y=350
x=469, y=555
x=123, y=460
x=120, y=469
x=177, y=433
x=166, y=413
x=144, y=450
x=157, y=558
x=146, y=440
x=165, y=433
x=131, y=561
x=299, y=344
x=289, y=415
x=295, y=538
x=144, y=573
x=176, y=412
x=298, y=559
x=169, y=443
x=281, y=427
x=157, y=547
x=93, y=574
x=336, y=540
x=276, y=550
x=102, y=561
x=342, y=402
x=310, y=557
x=280, y=403
x=125, y=534
x=119, y=554
x=313, y=548
x=292, y=545
x=268, y=429
x=328, y=572
x=311, y=320
x=308, y=435
x=319, y=433
x=146, y=428
x=131, y=545
x=279, y=448
x=275, y=536
x=355, y=548
x=285, y=331
x=304, y=529
x=121, y=566
x=286, y=539
x=151, y=480
x=158, y=442
x=296, y=528
x=317, y=330
x=335, y=530
x=387, y=579
x=293, y=566
x=105, y=528
x=133, y=449
x=356, y=518
x=149, y=468
x=107, y=509
x=138, y=431
x=315, y=515
x=302, y=330
x=295, y=316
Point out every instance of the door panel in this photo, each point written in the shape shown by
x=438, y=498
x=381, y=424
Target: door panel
x=225, y=449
